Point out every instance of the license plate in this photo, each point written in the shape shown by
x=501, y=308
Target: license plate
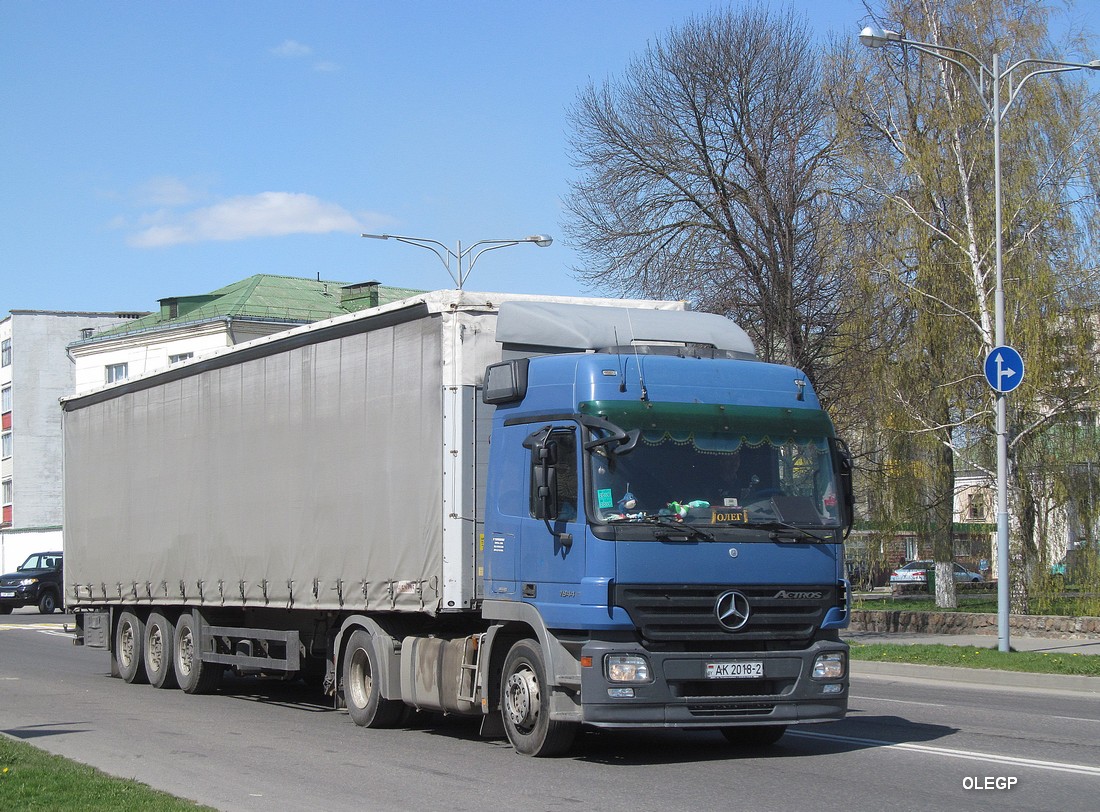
x=742, y=669
x=7, y=594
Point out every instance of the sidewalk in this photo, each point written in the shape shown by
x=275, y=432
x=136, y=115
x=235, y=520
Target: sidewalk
x=1016, y=642
x=981, y=676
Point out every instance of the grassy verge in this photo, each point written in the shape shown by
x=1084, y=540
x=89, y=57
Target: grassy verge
x=972, y=657
x=32, y=779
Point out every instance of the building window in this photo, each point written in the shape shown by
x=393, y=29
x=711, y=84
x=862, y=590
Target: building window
x=5, y=499
x=5, y=399
x=117, y=372
x=5, y=445
x=5, y=352
x=86, y=333
x=975, y=512
x=183, y=356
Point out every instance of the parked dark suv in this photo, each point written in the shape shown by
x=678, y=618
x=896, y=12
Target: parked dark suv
x=37, y=581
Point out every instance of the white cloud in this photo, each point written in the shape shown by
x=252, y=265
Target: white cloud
x=268, y=214
x=168, y=191
x=291, y=49
x=326, y=67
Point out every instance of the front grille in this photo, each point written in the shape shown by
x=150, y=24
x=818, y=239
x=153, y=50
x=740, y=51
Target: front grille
x=685, y=613
x=708, y=689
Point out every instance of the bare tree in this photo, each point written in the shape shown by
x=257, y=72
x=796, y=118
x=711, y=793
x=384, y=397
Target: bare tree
x=706, y=176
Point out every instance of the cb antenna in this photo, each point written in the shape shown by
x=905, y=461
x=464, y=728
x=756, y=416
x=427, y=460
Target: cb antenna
x=637, y=357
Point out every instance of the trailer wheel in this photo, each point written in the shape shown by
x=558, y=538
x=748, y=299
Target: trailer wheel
x=129, y=646
x=193, y=675
x=525, y=704
x=754, y=735
x=366, y=705
x=158, y=651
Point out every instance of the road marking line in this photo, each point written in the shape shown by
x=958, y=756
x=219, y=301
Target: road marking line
x=1074, y=719
x=900, y=701
x=970, y=755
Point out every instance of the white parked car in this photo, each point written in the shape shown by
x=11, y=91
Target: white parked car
x=916, y=572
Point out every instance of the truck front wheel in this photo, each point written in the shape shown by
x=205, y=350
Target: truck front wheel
x=158, y=651
x=129, y=647
x=362, y=690
x=193, y=675
x=525, y=704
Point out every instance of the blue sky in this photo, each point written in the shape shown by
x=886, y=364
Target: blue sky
x=158, y=149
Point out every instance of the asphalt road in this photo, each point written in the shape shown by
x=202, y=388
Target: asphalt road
x=907, y=744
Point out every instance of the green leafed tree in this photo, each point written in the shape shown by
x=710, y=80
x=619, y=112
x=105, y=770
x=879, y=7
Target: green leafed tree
x=917, y=137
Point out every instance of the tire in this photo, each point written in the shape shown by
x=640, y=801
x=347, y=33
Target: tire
x=159, y=668
x=191, y=673
x=754, y=735
x=5, y=610
x=366, y=705
x=129, y=648
x=47, y=602
x=525, y=705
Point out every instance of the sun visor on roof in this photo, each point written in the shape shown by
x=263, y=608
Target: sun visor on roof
x=556, y=326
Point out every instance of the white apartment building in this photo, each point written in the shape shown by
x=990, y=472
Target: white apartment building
x=35, y=371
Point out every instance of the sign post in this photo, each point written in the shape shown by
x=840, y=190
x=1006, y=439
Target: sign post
x=1004, y=371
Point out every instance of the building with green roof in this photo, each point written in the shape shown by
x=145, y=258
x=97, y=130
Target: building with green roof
x=186, y=327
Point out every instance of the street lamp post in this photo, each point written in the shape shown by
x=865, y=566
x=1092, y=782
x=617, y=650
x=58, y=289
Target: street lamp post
x=460, y=254
x=875, y=37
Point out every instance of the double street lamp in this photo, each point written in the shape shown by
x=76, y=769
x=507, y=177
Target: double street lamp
x=464, y=262
x=1004, y=379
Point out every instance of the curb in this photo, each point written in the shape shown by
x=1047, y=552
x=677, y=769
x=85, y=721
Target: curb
x=985, y=677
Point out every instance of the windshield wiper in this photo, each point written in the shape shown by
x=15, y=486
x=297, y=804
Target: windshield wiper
x=781, y=531
x=691, y=531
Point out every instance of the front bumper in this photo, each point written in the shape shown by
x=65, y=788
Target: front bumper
x=19, y=596
x=681, y=696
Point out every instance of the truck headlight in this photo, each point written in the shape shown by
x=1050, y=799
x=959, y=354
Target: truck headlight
x=829, y=666
x=626, y=668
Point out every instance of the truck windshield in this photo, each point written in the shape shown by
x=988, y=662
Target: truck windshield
x=709, y=465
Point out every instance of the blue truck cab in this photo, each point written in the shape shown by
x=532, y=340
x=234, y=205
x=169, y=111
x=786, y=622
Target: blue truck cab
x=670, y=513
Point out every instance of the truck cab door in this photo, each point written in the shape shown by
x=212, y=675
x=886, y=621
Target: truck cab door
x=552, y=540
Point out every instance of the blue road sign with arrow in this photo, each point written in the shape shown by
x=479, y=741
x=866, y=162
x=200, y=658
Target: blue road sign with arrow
x=1004, y=369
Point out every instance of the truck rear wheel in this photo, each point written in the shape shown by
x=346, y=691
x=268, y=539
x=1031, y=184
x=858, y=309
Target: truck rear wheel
x=525, y=704
x=193, y=675
x=158, y=651
x=129, y=647
x=366, y=705
x=754, y=735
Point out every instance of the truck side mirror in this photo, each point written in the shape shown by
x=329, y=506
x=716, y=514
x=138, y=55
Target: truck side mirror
x=847, y=492
x=545, y=454
x=546, y=491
